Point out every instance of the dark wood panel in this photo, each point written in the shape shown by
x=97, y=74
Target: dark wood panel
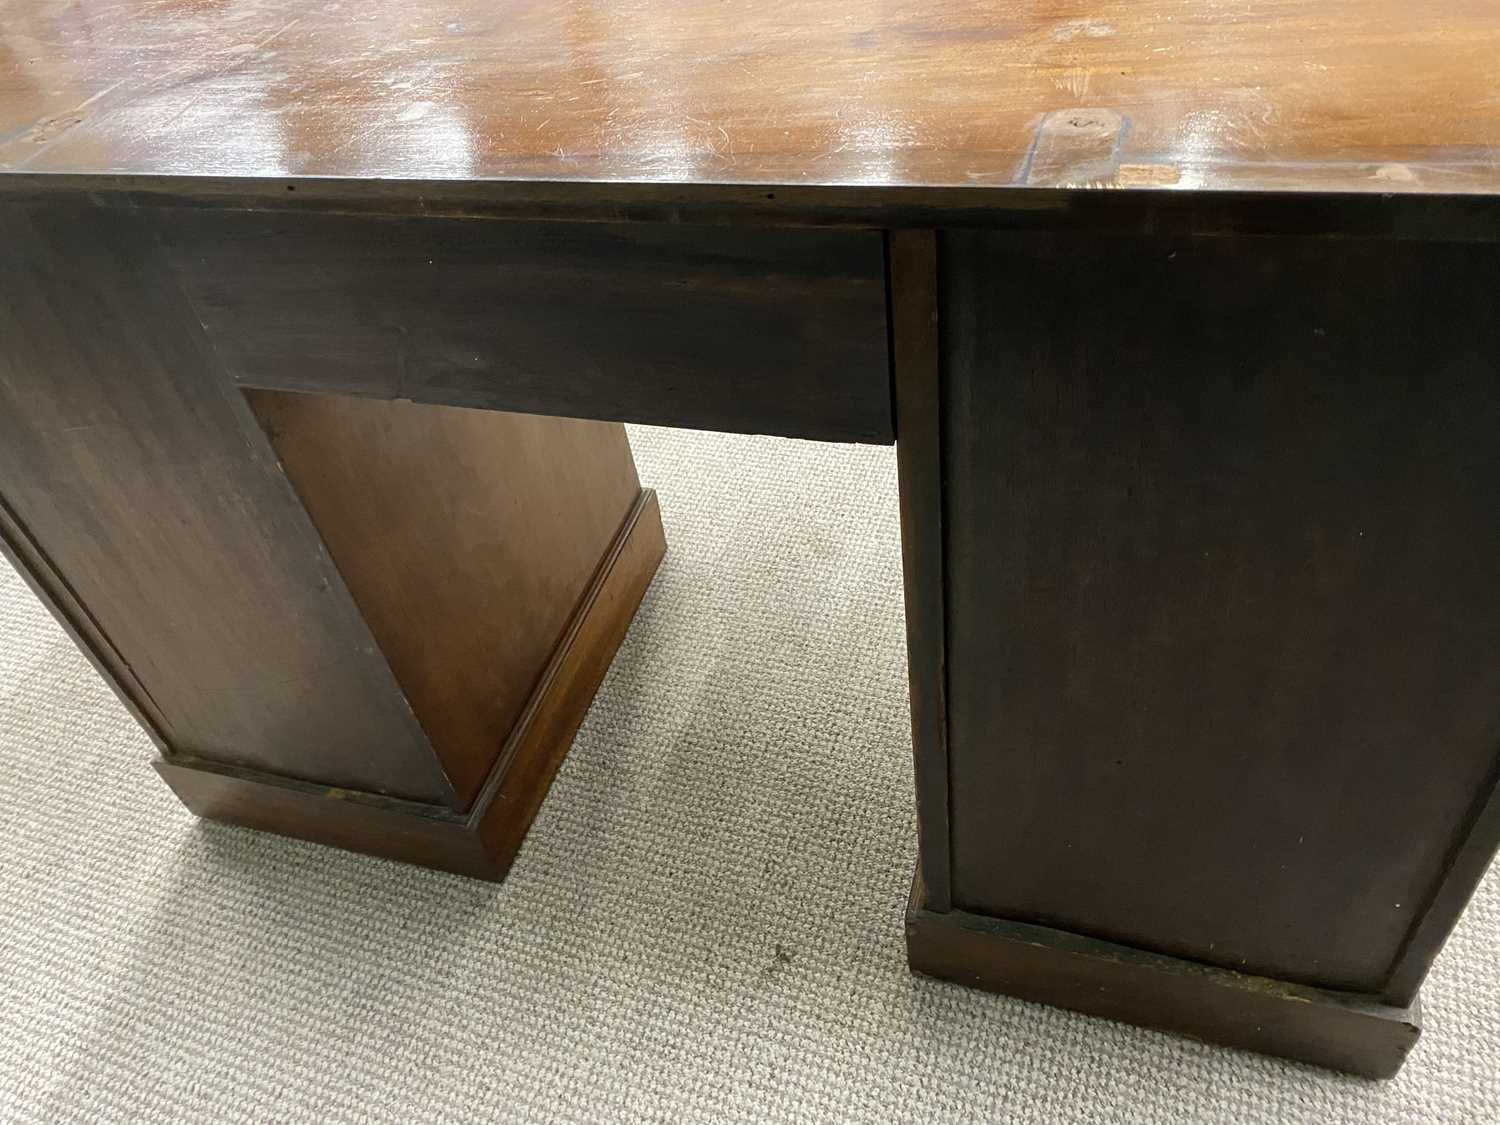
x=1222, y=545
x=1371, y=96
x=770, y=331
x=534, y=752
x=466, y=537
x=52, y=590
x=429, y=835
x=1333, y=1029
x=1452, y=217
x=483, y=842
x=1470, y=858
x=914, y=363
x=137, y=472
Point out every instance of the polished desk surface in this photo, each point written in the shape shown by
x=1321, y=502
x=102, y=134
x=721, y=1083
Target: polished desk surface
x=1381, y=96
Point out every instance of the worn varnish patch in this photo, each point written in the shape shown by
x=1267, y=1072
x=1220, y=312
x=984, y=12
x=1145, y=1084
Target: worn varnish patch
x=1075, y=148
x=1147, y=175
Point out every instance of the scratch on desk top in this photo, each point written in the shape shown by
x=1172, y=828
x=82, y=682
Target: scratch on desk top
x=1263, y=95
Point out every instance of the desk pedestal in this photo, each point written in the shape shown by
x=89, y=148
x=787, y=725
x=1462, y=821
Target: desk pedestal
x=1210, y=731
x=366, y=623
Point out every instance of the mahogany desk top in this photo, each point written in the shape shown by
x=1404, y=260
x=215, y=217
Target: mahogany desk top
x=852, y=107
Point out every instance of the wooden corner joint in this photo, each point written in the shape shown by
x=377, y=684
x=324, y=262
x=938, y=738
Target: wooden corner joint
x=482, y=841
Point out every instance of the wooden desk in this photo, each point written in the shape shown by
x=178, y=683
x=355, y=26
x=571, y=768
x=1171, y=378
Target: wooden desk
x=1185, y=316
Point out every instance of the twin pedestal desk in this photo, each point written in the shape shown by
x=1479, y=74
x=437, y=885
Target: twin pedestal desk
x=312, y=383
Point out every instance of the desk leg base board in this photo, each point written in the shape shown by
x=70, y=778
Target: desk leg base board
x=1343, y=1031
x=482, y=842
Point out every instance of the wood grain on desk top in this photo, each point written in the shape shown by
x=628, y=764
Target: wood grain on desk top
x=1386, y=96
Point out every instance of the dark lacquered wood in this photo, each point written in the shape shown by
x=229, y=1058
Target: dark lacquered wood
x=1472, y=217
x=1348, y=1032
x=467, y=539
x=1472, y=853
x=915, y=382
x=1376, y=96
x=412, y=832
x=1203, y=533
x=625, y=322
x=52, y=590
x=545, y=730
x=483, y=842
x=136, y=471
x=318, y=592
x=1221, y=547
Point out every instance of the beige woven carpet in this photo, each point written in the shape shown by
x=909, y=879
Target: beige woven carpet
x=705, y=924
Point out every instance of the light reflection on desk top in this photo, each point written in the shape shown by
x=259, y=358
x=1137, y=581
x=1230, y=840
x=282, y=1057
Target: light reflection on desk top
x=1379, y=95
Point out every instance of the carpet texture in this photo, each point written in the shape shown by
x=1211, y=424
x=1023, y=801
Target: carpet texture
x=705, y=923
